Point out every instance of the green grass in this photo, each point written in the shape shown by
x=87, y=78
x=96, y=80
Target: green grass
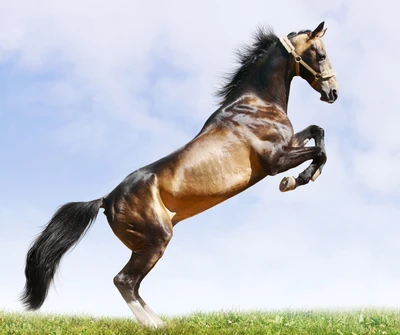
x=386, y=322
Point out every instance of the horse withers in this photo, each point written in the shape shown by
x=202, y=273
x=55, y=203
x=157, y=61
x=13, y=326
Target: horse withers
x=248, y=138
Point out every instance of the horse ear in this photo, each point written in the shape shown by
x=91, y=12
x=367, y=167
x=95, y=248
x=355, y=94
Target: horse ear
x=319, y=31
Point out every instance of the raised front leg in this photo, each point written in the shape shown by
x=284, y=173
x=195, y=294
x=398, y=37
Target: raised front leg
x=314, y=169
x=316, y=133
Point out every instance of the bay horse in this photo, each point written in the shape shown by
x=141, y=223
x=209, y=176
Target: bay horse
x=248, y=138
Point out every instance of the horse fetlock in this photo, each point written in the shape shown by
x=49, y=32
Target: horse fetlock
x=287, y=184
x=321, y=156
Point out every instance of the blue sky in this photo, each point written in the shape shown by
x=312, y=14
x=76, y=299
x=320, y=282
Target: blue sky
x=91, y=91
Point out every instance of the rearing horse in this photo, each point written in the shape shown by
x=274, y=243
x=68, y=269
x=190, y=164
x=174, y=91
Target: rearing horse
x=248, y=138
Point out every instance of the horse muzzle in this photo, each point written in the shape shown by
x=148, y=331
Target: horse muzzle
x=330, y=96
x=329, y=90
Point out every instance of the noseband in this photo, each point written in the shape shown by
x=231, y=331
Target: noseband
x=298, y=60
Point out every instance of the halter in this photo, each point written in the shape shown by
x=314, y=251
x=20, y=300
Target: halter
x=298, y=60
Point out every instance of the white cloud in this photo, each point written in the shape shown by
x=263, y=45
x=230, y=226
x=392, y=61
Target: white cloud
x=379, y=171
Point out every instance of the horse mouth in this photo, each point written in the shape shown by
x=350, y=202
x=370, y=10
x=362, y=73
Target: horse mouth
x=329, y=101
x=330, y=97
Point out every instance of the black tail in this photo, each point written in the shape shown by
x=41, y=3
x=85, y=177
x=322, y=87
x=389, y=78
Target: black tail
x=68, y=225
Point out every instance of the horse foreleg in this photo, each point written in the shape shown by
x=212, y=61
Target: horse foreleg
x=316, y=133
x=294, y=156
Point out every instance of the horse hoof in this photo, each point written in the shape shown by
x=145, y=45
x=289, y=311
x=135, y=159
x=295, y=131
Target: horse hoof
x=316, y=175
x=287, y=184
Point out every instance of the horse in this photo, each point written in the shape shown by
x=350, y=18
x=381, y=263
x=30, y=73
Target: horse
x=246, y=139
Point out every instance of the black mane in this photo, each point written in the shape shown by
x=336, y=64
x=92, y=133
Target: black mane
x=293, y=34
x=264, y=39
x=246, y=56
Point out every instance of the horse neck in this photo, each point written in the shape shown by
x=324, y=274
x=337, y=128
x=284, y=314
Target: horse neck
x=269, y=79
x=275, y=75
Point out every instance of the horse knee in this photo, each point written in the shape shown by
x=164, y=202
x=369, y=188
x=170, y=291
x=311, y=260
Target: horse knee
x=317, y=131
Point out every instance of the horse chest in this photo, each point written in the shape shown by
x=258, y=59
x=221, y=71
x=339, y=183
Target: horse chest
x=269, y=137
x=266, y=127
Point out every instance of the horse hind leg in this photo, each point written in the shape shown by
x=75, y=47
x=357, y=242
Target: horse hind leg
x=143, y=259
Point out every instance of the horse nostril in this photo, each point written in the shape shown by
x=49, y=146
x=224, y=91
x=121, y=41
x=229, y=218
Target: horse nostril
x=335, y=94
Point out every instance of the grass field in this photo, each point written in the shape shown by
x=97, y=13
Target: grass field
x=284, y=322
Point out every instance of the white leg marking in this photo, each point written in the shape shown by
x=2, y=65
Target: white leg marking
x=316, y=175
x=141, y=315
x=153, y=315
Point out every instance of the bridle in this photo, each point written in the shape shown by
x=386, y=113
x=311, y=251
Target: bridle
x=298, y=60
